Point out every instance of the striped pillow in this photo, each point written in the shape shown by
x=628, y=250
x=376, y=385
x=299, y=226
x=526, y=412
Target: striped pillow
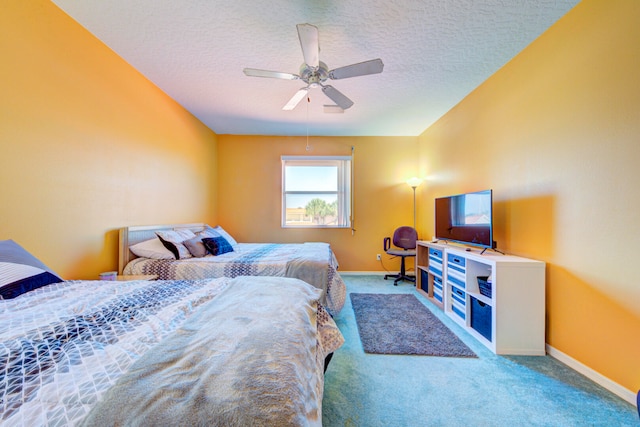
x=21, y=272
x=172, y=240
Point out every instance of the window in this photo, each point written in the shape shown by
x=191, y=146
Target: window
x=316, y=191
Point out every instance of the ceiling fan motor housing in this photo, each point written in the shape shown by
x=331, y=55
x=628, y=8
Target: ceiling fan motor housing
x=314, y=76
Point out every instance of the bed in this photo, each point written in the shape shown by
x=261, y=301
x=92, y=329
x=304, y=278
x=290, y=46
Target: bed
x=313, y=262
x=224, y=351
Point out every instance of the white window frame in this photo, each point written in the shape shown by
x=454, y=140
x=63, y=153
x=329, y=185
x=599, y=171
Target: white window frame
x=343, y=193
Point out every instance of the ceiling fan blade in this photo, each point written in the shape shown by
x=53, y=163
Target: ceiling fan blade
x=373, y=66
x=295, y=99
x=308, y=35
x=336, y=96
x=253, y=72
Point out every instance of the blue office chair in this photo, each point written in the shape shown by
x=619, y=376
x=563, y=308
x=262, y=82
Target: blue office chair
x=404, y=240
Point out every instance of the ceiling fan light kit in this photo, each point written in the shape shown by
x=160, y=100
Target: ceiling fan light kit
x=332, y=109
x=315, y=72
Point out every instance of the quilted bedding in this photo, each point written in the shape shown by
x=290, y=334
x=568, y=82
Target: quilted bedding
x=314, y=263
x=205, y=348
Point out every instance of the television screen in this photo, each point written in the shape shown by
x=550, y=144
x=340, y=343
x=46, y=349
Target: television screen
x=466, y=218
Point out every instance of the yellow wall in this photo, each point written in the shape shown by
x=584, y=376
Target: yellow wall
x=556, y=133
x=88, y=145
x=249, y=194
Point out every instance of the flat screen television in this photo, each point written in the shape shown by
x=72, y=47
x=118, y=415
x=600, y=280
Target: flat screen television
x=466, y=218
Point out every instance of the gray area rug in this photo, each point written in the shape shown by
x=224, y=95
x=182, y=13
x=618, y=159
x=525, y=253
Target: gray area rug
x=400, y=324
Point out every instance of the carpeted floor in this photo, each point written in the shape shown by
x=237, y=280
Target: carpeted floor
x=399, y=390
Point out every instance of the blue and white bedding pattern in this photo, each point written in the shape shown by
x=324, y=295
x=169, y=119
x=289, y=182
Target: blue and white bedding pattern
x=313, y=262
x=64, y=345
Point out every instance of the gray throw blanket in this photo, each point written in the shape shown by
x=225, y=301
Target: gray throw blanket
x=249, y=357
x=314, y=272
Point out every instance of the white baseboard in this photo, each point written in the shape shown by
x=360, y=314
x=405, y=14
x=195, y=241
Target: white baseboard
x=370, y=273
x=594, y=376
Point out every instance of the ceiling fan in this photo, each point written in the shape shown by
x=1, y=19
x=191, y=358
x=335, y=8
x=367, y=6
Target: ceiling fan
x=315, y=72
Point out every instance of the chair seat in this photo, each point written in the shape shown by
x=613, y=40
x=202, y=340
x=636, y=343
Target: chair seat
x=401, y=252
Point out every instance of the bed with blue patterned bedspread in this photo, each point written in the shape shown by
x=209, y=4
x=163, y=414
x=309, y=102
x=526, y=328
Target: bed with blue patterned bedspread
x=223, y=351
x=313, y=262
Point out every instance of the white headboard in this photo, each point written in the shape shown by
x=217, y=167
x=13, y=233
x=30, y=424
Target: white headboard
x=132, y=235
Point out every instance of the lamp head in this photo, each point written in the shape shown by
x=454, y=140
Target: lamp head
x=414, y=182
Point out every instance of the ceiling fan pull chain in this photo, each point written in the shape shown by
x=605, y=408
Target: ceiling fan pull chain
x=308, y=148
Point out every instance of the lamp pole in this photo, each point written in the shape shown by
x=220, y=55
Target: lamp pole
x=414, y=207
x=413, y=183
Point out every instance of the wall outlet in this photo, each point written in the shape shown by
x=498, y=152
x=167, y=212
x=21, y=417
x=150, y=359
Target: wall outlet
x=378, y=257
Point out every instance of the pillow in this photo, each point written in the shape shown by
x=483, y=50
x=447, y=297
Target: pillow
x=195, y=245
x=173, y=239
x=21, y=272
x=152, y=248
x=226, y=235
x=208, y=232
x=217, y=245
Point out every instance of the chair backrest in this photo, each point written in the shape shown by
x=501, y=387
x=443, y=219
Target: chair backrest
x=405, y=237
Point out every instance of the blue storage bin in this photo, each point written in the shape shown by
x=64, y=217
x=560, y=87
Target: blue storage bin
x=458, y=295
x=435, y=254
x=438, y=295
x=424, y=280
x=481, y=317
x=456, y=260
x=484, y=286
x=459, y=312
x=456, y=281
x=437, y=283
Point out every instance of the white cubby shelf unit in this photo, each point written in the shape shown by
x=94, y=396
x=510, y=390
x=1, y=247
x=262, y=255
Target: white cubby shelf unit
x=507, y=315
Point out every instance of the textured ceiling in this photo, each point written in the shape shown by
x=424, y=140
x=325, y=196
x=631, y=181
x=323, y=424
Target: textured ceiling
x=435, y=52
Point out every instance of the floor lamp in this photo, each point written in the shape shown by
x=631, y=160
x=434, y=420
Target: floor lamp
x=413, y=183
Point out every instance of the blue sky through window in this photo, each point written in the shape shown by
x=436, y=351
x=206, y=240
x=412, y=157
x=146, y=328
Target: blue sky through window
x=311, y=178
